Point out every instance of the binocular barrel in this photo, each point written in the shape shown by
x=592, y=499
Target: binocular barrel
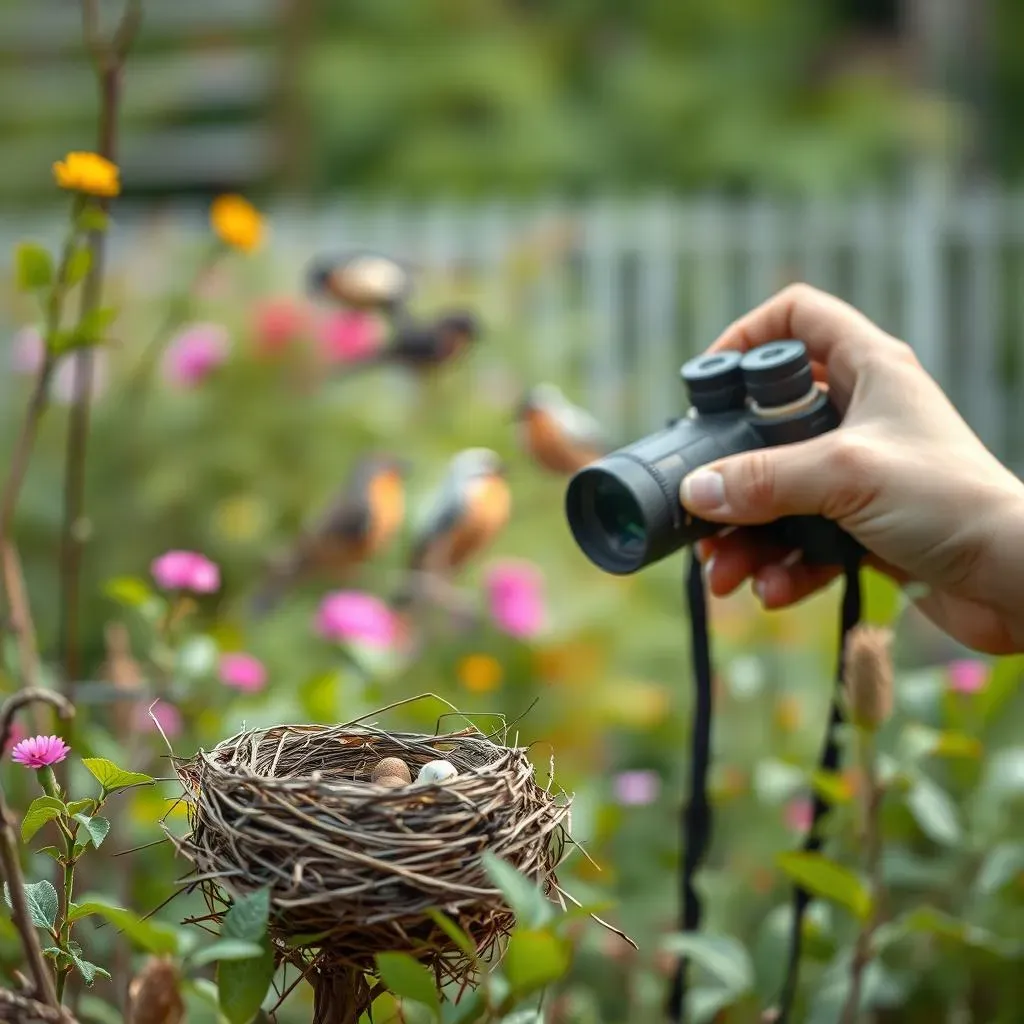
x=624, y=510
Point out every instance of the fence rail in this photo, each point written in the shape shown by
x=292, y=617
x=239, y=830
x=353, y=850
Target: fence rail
x=611, y=297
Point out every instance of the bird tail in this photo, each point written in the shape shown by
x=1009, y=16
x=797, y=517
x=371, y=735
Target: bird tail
x=274, y=587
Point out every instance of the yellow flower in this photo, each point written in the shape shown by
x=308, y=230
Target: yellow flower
x=89, y=173
x=236, y=222
x=480, y=673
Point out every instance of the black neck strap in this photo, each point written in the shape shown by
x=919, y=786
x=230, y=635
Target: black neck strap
x=696, y=819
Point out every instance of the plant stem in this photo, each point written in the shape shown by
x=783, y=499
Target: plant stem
x=10, y=857
x=109, y=61
x=64, y=940
x=873, y=795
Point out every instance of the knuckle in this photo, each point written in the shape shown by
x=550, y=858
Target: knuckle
x=855, y=469
x=799, y=293
x=756, y=487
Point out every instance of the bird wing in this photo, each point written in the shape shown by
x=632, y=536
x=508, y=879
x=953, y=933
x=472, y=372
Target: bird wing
x=579, y=425
x=448, y=508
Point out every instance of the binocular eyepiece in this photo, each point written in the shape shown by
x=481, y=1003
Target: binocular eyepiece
x=624, y=510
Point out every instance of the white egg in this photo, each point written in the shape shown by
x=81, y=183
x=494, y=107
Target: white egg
x=436, y=771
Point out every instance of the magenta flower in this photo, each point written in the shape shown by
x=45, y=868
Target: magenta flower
x=276, y=324
x=167, y=715
x=515, y=591
x=17, y=734
x=637, y=788
x=967, y=675
x=243, y=672
x=799, y=814
x=195, y=353
x=349, y=336
x=40, y=751
x=186, y=570
x=349, y=616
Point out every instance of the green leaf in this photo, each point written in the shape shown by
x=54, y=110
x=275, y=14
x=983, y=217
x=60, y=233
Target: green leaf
x=89, y=971
x=151, y=936
x=466, y=1011
x=931, y=921
x=409, y=979
x=243, y=984
x=87, y=806
x=919, y=741
x=112, y=778
x=531, y=907
x=226, y=949
x=535, y=959
x=706, y=1003
x=91, y=1008
x=94, y=324
x=78, y=266
x=203, y=989
x=42, y=902
x=721, y=956
x=34, y=267
x=248, y=916
x=97, y=829
x=52, y=851
x=934, y=811
x=832, y=787
x=42, y=810
x=1003, y=683
x=1004, y=863
x=827, y=880
x=454, y=932
x=128, y=591
x=92, y=218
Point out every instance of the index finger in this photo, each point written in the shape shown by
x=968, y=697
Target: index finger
x=836, y=335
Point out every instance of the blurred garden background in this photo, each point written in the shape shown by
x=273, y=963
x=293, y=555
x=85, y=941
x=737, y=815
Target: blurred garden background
x=605, y=185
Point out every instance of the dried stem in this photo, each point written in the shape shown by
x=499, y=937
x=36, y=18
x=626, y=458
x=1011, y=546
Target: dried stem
x=21, y=619
x=872, y=830
x=10, y=854
x=109, y=61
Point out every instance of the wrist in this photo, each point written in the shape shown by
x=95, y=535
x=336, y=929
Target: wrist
x=999, y=574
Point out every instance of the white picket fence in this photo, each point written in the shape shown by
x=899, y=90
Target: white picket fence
x=611, y=297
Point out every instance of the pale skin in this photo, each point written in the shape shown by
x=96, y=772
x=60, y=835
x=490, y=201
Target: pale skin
x=904, y=474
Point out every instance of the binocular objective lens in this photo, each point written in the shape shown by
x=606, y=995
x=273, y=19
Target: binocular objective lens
x=618, y=518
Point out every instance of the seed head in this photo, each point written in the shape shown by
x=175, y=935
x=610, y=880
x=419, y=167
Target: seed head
x=869, y=677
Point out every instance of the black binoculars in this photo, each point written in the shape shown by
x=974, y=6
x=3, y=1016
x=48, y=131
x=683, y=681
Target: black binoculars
x=624, y=510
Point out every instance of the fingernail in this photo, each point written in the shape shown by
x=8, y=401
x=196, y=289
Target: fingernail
x=704, y=491
x=759, y=590
x=704, y=550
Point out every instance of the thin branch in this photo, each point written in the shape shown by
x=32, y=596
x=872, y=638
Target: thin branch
x=10, y=854
x=109, y=61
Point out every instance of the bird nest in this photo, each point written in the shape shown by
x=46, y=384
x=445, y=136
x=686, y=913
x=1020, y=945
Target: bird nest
x=16, y=1008
x=358, y=867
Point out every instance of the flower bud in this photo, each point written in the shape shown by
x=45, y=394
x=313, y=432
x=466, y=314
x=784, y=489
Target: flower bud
x=869, y=677
x=154, y=995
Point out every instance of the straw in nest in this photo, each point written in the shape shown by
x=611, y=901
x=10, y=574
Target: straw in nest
x=21, y=1009
x=355, y=868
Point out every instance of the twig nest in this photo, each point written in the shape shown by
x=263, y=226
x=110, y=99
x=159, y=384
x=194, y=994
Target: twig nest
x=434, y=772
x=353, y=872
x=391, y=767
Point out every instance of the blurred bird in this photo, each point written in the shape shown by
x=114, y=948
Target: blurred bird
x=361, y=280
x=559, y=436
x=472, y=508
x=361, y=522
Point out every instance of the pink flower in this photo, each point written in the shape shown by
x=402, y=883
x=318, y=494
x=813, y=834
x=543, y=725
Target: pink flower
x=278, y=323
x=186, y=570
x=195, y=353
x=27, y=358
x=967, y=675
x=637, y=788
x=347, y=615
x=349, y=336
x=17, y=734
x=168, y=716
x=243, y=672
x=516, y=594
x=40, y=751
x=27, y=351
x=799, y=814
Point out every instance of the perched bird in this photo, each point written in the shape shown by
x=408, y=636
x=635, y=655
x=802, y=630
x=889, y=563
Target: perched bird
x=559, y=436
x=473, y=506
x=361, y=280
x=362, y=521
x=423, y=346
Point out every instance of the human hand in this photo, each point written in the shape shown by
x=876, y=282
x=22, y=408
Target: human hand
x=903, y=474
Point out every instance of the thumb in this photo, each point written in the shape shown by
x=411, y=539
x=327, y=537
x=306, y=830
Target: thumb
x=824, y=476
